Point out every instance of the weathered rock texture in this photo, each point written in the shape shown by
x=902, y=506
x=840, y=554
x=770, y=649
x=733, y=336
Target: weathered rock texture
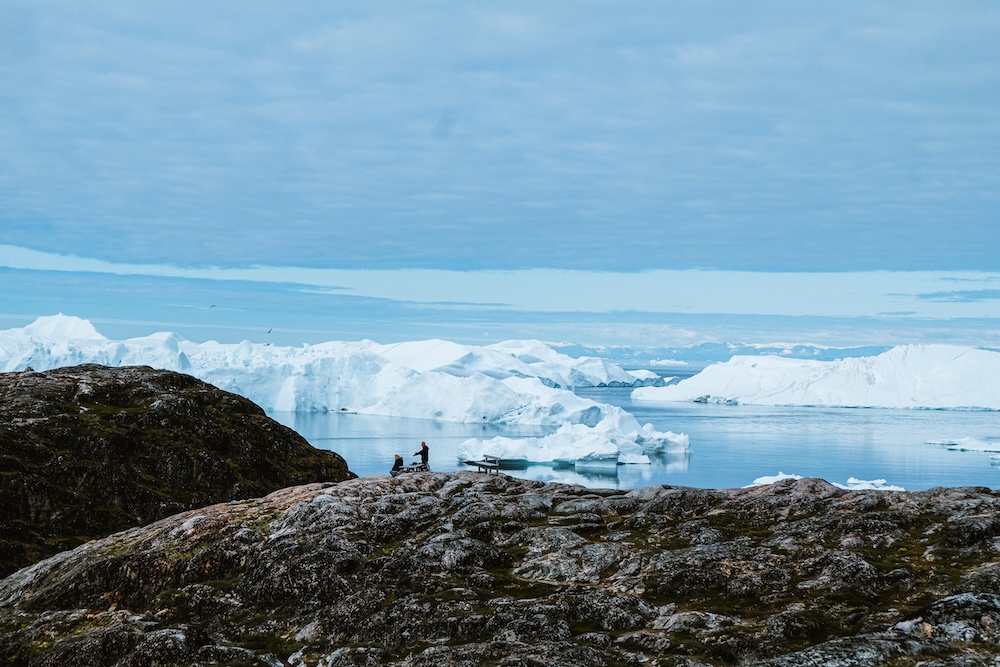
x=89, y=450
x=467, y=569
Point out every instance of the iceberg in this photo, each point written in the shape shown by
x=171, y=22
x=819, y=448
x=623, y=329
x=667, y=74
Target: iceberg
x=944, y=377
x=524, y=358
x=515, y=382
x=616, y=439
x=582, y=371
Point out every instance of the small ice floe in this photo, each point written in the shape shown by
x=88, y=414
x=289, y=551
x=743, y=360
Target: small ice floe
x=967, y=445
x=771, y=479
x=853, y=483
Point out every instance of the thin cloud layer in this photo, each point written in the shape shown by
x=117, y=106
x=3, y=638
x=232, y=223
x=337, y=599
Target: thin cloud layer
x=583, y=135
x=294, y=305
x=963, y=296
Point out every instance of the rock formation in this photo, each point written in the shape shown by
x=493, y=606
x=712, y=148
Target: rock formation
x=465, y=569
x=89, y=450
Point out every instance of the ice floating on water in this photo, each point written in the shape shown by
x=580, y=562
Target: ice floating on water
x=667, y=363
x=514, y=382
x=616, y=439
x=909, y=376
x=771, y=479
x=853, y=483
x=967, y=445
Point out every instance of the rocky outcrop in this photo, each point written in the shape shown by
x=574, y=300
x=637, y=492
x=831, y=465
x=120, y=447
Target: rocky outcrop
x=469, y=569
x=89, y=450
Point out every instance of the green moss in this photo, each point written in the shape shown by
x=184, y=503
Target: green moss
x=228, y=584
x=507, y=584
x=269, y=631
x=62, y=542
x=756, y=529
x=578, y=627
x=176, y=603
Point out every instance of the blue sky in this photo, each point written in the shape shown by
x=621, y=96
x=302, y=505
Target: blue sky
x=654, y=171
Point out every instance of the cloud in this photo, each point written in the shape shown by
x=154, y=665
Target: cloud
x=451, y=136
x=962, y=296
x=650, y=308
x=816, y=294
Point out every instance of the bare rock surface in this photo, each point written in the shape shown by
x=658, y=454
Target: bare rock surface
x=89, y=450
x=465, y=569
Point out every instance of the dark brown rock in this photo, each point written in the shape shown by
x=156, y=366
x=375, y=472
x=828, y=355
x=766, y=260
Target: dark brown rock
x=89, y=450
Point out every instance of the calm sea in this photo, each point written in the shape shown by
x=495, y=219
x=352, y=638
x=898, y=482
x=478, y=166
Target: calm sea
x=731, y=445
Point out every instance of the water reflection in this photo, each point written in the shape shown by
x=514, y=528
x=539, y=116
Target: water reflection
x=730, y=445
x=662, y=468
x=369, y=442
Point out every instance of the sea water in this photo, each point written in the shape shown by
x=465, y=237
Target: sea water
x=731, y=445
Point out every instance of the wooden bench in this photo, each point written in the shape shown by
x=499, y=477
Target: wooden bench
x=489, y=465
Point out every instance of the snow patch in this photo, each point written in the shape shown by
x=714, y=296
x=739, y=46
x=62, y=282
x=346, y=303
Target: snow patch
x=853, y=483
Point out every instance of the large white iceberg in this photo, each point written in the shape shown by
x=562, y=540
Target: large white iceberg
x=516, y=382
x=617, y=438
x=566, y=371
x=908, y=376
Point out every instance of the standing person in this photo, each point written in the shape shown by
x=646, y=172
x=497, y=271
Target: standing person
x=423, y=452
x=397, y=466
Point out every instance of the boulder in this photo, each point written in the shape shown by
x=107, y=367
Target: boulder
x=89, y=450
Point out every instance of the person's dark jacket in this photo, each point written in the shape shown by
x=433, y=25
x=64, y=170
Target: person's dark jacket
x=423, y=452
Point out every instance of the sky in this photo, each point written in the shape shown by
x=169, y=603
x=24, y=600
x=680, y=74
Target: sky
x=647, y=174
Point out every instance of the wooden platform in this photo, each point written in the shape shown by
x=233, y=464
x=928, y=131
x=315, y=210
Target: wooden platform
x=489, y=465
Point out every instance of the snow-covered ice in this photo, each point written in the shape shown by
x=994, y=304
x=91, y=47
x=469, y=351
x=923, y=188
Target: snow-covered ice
x=771, y=479
x=667, y=363
x=514, y=382
x=967, y=445
x=617, y=438
x=853, y=483
x=907, y=376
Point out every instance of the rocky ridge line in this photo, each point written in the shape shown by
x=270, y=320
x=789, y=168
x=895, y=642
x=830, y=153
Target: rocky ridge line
x=466, y=569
